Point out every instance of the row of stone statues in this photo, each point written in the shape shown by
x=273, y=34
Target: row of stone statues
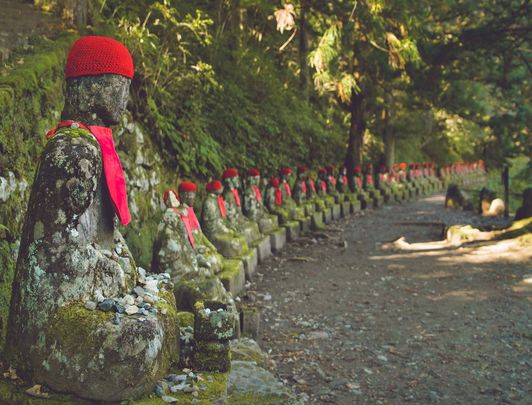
x=84, y=318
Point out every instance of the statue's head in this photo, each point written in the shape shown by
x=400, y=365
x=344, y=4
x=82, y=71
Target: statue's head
x=383, y=169
x=402, y=166
x=253, y=177
x=322, y=174
x=187, y=193
x=285, y=173
x=98, y=73
x=369, y=169
x=302, y=173
x=171, y=199
x=274, y=182
x=215, y=187
x=231, y=178
x=358, y=170
x=330, y=170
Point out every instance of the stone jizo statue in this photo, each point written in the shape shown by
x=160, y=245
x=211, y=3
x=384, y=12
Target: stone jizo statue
x=72, y=252
x=253, y=206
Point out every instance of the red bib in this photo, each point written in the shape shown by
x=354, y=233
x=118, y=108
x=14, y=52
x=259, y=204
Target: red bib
x=344, y=179
x=312, y=185
x=278, y=196
x=258, y=195
x=114, y=175
x=304, y=187
x=359, y=182
x=193, y=219
x=221, y=206
x=323, y=186
x=237, y=196
x=186, y=221
x=287, y=189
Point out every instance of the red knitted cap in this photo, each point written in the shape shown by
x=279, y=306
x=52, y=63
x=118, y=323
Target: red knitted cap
x=93, y=55
x=187, y=187
x=323, y=171
x=231, y=172
x=331, y=168
x=214, y=185
x=167, y=195
x=301, y=169
x=253, y=172
x=395, y=166
x=274, y=182
x=358, y=169
x=286, y=171
x=402, y=165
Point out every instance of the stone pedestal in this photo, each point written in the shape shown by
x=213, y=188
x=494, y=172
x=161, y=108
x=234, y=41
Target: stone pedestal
x=317, y=221
x=278, y=239
x=251, y=261
x=345, y=209
x=264, y=248
x=233, y=276
x=250, y=324
x=356, y=206
x=336, y=211
x=304, y=224
x=292, y=230
x=327, y=215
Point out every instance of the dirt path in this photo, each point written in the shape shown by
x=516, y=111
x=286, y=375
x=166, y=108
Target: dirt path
x=349, y=322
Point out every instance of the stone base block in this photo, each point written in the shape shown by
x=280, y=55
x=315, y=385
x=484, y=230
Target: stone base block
x=264, y=248
x=292, y=230
x=211, y=356
x=304, y=224
x=250, y=321
x=345, y=209
x=316, y=223
x=356, y=206
x=327, y=215
x=278, y=239
x=378, y=202
x=336, y=211
x=251, y=262
x=233, y=276
x=309, y=209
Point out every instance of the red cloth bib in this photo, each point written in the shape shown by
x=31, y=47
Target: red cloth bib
x=312, y=185
x=278, y=196
x=237, y=196
x=344, y=179
x=333, y=180
x=221, y=206
x=186, y=220
x=114, y=175
x=193, y=219
x=359, y=182
x=304, y=187
x=258, y=195
x=369, y=178
x=287, y=189
x=323, y=186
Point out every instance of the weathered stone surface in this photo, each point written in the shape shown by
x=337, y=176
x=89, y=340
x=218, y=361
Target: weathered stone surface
x=211, y=356
x=250, y=384
x=336, y=211
x=292, y=230
x=213, y=322
x=233, y=276
x=251, y=261
x=246, y=349
x=250, y=321
x=264, y=248
x=278, y=239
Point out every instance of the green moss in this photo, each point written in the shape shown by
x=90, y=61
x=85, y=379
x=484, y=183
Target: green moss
x=215, y=389
x=7, y=270
x=185, y=318
x=211, y=356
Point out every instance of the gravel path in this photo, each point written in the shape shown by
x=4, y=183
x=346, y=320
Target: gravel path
x=349, y=322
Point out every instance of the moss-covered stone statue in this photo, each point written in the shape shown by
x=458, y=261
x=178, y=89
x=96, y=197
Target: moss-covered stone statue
x=174, y=252
x=358, y=187
x=274, y=201
x=296, y=213
x=383, y=184
x=233, y=204
x=67, y=328
x=331, y=184
x=215, y=225
x=203, y=246
x=322, y=188
x=343, y=187
x=253, y=206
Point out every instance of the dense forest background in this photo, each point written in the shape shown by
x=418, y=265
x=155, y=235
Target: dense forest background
x=267, y=83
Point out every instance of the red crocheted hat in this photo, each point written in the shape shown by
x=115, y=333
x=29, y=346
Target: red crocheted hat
x=331, y=168
x=274, y=182
x=231, y=172
x=358, y=169
x=402, y=165
x=369, y=167
x=167, y=195
x=286, y=171
x=301, y=169
x=214, y=185
x=253, y=172
x=93, y=55
x=187, y=187
x=395, y=166
x=322, y=171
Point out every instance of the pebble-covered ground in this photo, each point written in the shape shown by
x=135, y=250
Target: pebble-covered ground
x=349, y=321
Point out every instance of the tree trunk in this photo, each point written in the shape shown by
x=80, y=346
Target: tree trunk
x=389, y=133
x=303, y=51
x=356, y=134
